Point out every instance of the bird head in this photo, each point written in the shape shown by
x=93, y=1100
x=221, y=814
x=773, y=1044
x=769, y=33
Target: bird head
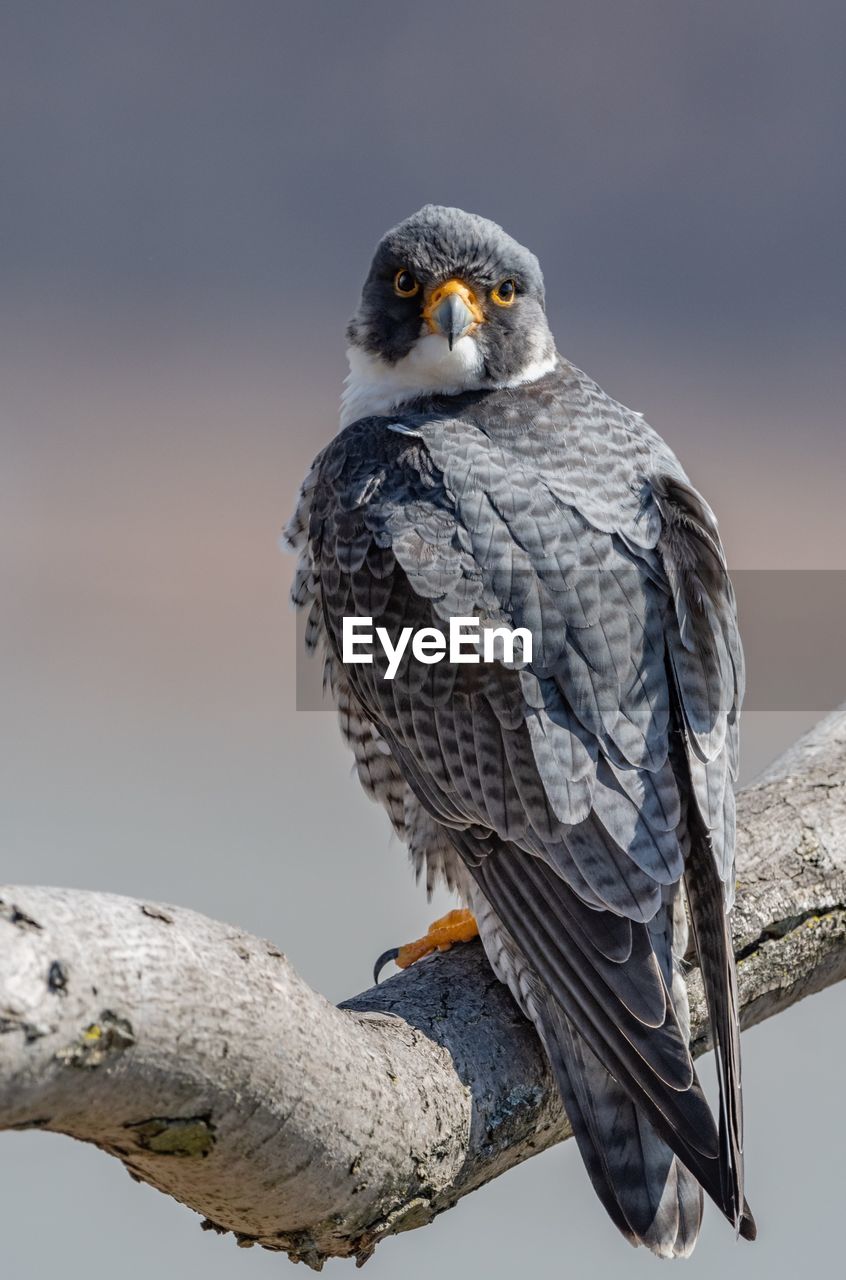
x=451, y=303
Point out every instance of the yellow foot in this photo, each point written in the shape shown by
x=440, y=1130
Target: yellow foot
x=456, y=926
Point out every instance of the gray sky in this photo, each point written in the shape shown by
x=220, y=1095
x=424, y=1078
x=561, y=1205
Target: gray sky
x=191, y=193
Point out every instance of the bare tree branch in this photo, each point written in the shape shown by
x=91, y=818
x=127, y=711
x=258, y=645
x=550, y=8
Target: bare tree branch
x=197, y=1056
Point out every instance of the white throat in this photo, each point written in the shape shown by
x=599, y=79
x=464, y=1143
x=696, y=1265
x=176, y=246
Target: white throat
x=374, y=388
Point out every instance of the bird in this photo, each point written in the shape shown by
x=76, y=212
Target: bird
x=580, y=802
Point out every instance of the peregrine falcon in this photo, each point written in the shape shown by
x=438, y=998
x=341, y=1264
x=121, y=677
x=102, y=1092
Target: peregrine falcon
x=580, y=802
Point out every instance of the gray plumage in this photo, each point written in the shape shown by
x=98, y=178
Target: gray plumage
x=571, y=802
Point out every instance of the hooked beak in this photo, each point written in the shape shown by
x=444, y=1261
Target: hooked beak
x=452, y=310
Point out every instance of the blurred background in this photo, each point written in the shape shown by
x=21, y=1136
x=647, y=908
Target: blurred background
x=191, y=194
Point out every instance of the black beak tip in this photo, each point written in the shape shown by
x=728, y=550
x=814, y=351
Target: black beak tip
x=453, y=318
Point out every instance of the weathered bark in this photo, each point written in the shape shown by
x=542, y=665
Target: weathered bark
x=196, y=1055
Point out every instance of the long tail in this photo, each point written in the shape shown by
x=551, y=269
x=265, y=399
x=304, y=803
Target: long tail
x=648, y=1193
x=647, y=1137
x=651, y=1197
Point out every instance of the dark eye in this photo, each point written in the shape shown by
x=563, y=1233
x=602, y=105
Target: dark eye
x=504, y=293
x=405, y=284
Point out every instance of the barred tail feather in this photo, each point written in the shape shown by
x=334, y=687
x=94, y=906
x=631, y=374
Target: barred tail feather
x=649, y=1195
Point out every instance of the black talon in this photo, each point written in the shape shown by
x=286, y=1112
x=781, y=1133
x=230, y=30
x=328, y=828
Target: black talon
x=385, y=957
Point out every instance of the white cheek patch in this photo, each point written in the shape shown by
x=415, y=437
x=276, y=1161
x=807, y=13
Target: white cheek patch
x=374, y=387
x=431, y=366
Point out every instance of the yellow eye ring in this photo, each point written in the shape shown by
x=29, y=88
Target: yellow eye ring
x=505, y=293
x=405, y=285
